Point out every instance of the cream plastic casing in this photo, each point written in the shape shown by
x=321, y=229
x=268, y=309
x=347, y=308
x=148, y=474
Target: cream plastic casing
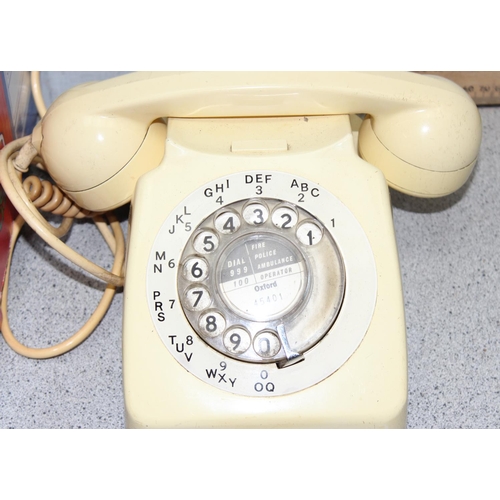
x=370, y=388
x=98, y=139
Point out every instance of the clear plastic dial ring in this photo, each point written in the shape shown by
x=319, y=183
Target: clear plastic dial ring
x=269, y=285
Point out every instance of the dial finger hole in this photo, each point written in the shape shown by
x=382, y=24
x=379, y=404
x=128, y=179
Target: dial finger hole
x=212, y=323
x=227, y=223
x=206, y=242
x=266, y=344
x=195, y=269
x=237, y=340
x=309, y=233
x=284, y=217
x=255, y=214
x=197, y=298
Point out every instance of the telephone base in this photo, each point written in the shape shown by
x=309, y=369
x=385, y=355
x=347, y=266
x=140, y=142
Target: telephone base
x=184, y=367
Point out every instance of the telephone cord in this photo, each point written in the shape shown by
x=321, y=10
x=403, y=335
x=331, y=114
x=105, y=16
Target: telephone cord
x=49, y=198
x=36, y=90
x=20, y=196
x=34, y=194
x=10, y=179
x=96, y=317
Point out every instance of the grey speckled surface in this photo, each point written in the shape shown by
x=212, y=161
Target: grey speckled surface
x=450, y=260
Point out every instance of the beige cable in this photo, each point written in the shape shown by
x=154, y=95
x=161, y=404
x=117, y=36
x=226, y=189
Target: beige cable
x=88, y=327
x=36, y=90
x=11, y=183
x=28, y=197
x=105, y=232
x=49, y=198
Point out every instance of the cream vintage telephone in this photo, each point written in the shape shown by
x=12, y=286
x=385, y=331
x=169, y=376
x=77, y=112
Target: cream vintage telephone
x=262, y=284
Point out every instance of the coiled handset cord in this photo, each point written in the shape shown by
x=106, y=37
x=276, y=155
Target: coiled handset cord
x=15, y=159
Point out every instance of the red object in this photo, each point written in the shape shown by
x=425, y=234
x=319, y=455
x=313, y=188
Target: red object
x=7, y=211
x=5, y=126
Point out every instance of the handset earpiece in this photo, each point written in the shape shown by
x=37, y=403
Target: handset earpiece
x=425, y=151
x=100, y=168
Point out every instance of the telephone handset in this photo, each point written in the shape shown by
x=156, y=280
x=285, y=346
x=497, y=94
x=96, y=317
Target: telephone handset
x=262, y=281
x=421, y=131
